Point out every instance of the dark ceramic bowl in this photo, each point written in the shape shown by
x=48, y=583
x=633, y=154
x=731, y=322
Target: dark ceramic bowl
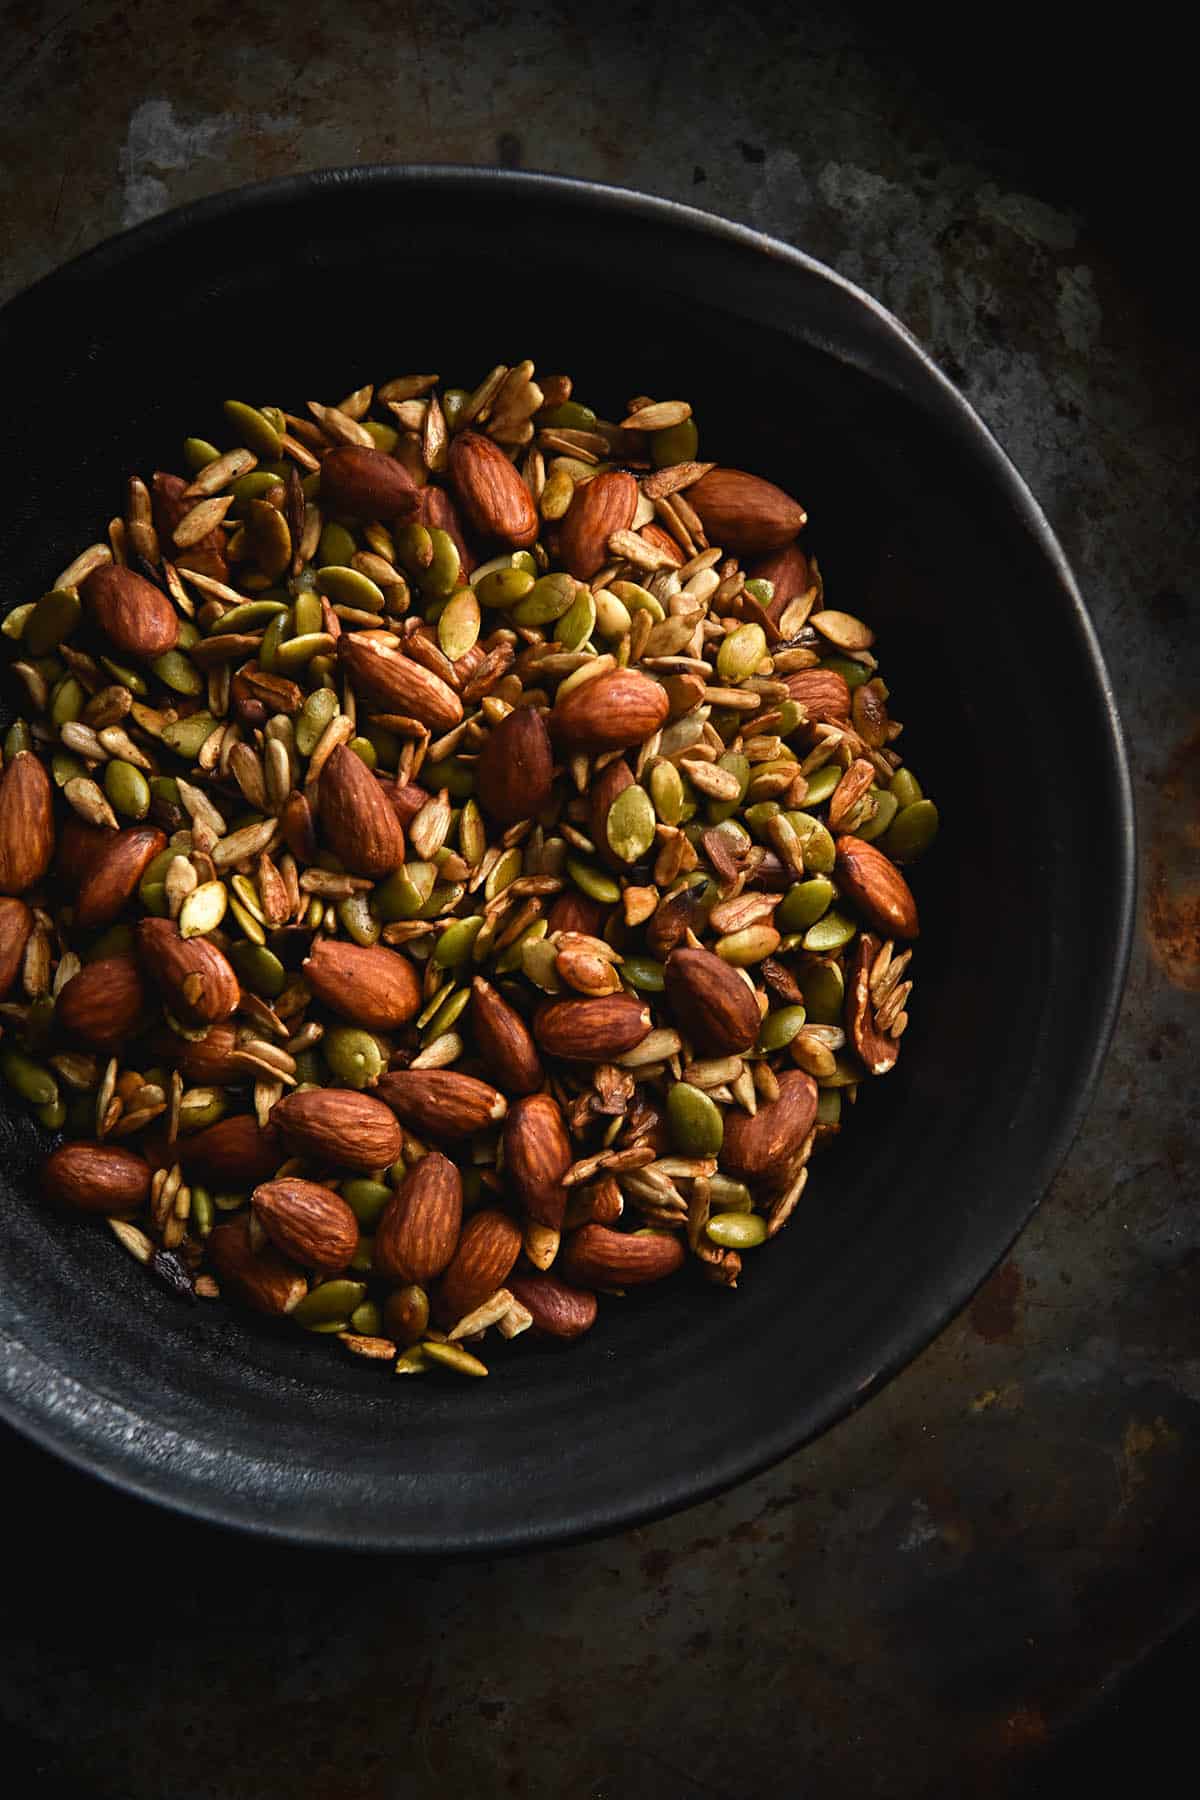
x=307, y=286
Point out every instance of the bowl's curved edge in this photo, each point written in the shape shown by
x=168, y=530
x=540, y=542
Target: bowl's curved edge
x=23, y=1372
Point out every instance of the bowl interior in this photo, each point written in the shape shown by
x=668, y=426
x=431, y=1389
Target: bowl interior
x=306, y=290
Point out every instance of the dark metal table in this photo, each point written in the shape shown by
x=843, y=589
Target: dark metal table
x=940, y=1587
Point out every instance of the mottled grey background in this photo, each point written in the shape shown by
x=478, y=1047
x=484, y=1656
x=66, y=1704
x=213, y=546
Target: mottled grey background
x=924, y=1599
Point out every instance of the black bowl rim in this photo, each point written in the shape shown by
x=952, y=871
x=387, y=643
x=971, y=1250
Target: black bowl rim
x=31, y=1396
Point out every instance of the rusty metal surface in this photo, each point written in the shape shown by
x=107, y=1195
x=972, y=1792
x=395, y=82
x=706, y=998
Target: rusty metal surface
x=922, y=1600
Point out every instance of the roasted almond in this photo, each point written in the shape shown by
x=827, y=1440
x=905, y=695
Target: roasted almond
x=659, y=538
x=207, y=1061
x=207, y=555
x=234, y=1154
x=262, y=1278
x=504, y=1041
x=594, y=1256
x=441, y=1102
x=365, y=983
x=357, y=820
x=559, y=1310
x=612, y=780
x=757, y=1144
x=96, y=1178
x=874, y=886
x=103, y=1003
x=494, y=499
x=537, y=1154
x=823, y=694
x=195, y=978
x=573, y=911
x=308, y=1222
x=112, y=872
x=135, y=616
x=789, y=572
x=744, y=514
x=712, y=1003
x=388, y=681
x=26, y=823
x=514, y=772
x=16, y=923
x=337, y=1126
x=367, y=484
x=488, y=1248
x=591, y=1030
x=610, y=712
x=439, y=513
x=418, y=1229
x=605, y=504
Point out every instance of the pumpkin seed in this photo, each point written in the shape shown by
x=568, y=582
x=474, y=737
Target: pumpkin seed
x=593, y=881
x=455, y=944
x=254, y=430
x=728, y=1195
x=821, y=784
x=28, y=1078
x=179, y=673
x=886, y=808
x=316, y=713
x=366, y=1200
x=820, y=852
x=912, y=832
x=331, y=1301
x=577, y=624
x=612, y=615
x=740, y=653
x=695, y=1121
x=504, y=587
x=259, y=969
x=831, y=932
x=198, y=453
x=677, y=444
x=629, y=826
x=852, y=673
x=779, y=1028
x=667, y=793
x=405, y=891
x=54, y=618
x=804, y=904
x=127, y=789
x=735, y=764
x=187, y=737
x=441, y=1022
x=203, y=909
x=751, y=945
x=643, y=973
x=357, y=920
x=905, y=786
x=350, y=588
x=736, y=1230
x=452, y=1356
x=353, y=1055
x=458, y=627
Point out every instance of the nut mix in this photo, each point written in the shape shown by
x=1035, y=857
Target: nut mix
x=476, y=882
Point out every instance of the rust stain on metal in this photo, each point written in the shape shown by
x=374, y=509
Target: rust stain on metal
x=1172, y=909
x=1142, y=1437
x=995, y=1310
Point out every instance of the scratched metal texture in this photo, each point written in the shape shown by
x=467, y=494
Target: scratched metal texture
x=948, y=1581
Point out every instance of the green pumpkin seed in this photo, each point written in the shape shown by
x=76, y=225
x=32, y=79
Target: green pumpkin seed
x=203, y=909
x=735, y=764
x=454, y=946
x=357, y=920
x=804, y=904
x=366, y=1200
x=472, y=834
x=331, y=1301
x=53, y=1116
x=846, y=1073
x=761, y=590
x=187, y=737
x=255, y=485
x=386, y=745
x=15, y=621
x=612, y=615
x=404, y=892
x=740, y=653
x=505, y=587
x=337, y=545
x=643, y=973
x=447, y=1015
x=350, y=588
x=126, y=677
x=296, y=652
x=63, y=767
x=829, y=933
x=364, y=749
x=569, y=415
x=384, y=437
x=458, y=627
x=505, y=871
x=638, y=599
x=695, y=1121
x=202, y=1107
x=198, y=453
x=906, y=788
x=913, y=831
x=728, y=1195
x=253, y=429
x=593, y=881
x=751, y=945
x=53, y=619
x=852, y=673
x=821, y=784
x=759, y=816
x=578, y=622
x=736, y=1230
x=630, y=824
x=829, y=1106
x=353, y=1056
x=886, y=808
x=179, y=673
x=127, y=789
x=28, y=1078
x=248, y=617
x=454, y=1357
x=200, y=1218
x=414, y=550
x=779, y=1028
x=547, y=600
x=248, y=922
x=367, y=1319
x=514, y=956
x=458, y=778
x=246, y=893
x=676, y=444
x=666, y=791
x=441, y=578
x=307, y=615
x=539, y=964
x=66, y=703
x=820, y=852
x=315, y=715
x=259, y=969
x=823, y=987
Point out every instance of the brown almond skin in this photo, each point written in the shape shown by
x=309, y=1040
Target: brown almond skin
x=712, y=1003
x=357, y=821
x=494, y=500
x=419, y=1227
x=441, y=1103
x=591, y=1030
x=537, y=1154
x=744, y=514
x=439, y=513
x=594, y=1256
x=206, y=1061
x=16, y=923
x=674, y=918
x=207, y=556
x=98, y=1178
x=171, y=960
x=365, y=983
x=876, y=1049
x=504, y=1041
x=299, y=828
x=660, y=539
x=339, y=1127
x=135, y=616
x=262, y=1279
x=559, y=1310
x=26, y=823
x=488, y=1248
x=876, y=889
x=103, y=1003
x=610, y=712
x=308, y=1222
x=406, y=799
x=388, y=681
x=612, y=781
x=823, y=693
x=113, y=871
x=79, y=845
x=753, y=1147
x=367, y=484
x=234, y=1154
x=603, y=505
x=789, y=572
x=513, y=775
x=573, y=911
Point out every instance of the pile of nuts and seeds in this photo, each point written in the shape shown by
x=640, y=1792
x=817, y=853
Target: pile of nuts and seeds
x=452, y=865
